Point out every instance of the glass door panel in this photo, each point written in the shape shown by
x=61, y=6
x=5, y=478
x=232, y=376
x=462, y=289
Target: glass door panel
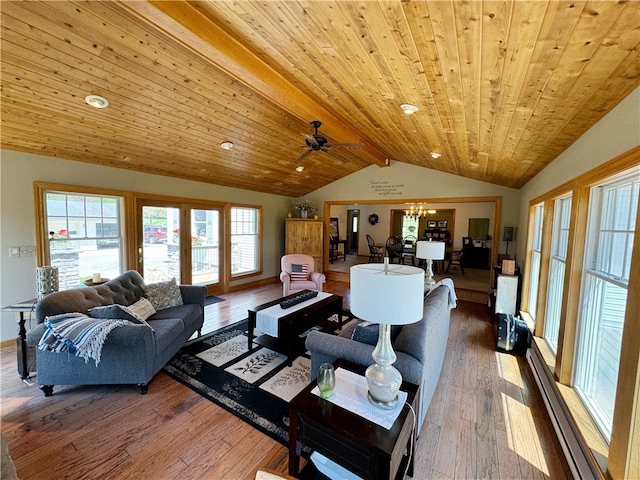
x=205, y=246
x=160, y=253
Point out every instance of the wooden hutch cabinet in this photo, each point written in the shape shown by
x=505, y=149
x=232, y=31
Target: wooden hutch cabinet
x=304, y=235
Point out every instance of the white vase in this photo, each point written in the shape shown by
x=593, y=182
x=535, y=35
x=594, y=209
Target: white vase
x=304, y=213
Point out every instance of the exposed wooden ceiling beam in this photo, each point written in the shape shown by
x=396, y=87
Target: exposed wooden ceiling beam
x=188, y=26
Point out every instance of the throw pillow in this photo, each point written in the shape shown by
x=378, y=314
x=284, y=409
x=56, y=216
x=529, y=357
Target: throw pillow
x=142, y=308
x=299, y=271
x=163, y=294
x=366, y=332
x=136, y=313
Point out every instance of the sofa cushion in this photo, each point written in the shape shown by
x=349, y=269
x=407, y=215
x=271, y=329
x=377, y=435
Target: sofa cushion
x=366, y=332
x=411, y=338
x=167, y=330
x=163, y=294
x=189, y=313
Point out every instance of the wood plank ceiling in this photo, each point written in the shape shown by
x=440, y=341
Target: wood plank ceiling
x=502, y=87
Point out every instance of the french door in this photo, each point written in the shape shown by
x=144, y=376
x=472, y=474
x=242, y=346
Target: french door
x=181, y=241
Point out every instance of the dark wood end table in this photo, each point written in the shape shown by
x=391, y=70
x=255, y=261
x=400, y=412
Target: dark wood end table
x=26, y=352
x=357, y=444
x=291, y=325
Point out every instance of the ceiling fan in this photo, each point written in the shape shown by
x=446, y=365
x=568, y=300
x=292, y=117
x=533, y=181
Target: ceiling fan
x=317, y=142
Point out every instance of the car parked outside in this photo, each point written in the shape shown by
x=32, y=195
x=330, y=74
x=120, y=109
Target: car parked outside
x=155, y=234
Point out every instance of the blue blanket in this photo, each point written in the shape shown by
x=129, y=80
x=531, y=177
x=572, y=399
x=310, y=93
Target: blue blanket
x=78, y=334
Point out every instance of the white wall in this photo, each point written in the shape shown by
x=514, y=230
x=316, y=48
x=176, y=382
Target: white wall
x=17, y=220
x=402, y=182
x=616, y=133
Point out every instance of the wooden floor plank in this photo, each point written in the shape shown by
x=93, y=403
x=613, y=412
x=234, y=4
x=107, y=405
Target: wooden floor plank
x=97, y=432
x=487, y=452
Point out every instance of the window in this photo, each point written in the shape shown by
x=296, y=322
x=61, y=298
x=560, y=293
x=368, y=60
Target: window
x=410, y=226
x=607, y=265
x=244, y=240
x=559, y=243
x=534, y=274
x=84, y=235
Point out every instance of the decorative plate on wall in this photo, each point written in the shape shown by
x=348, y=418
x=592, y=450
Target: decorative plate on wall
x=373, y=219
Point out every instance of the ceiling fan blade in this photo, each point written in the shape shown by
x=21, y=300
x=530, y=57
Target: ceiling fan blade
x=335, y=155
x=346, y=145
x=310, y=139
x=302, y=157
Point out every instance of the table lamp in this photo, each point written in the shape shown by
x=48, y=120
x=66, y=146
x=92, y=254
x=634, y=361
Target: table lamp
x=430, y=251
x=46, y=281
x=387, y=295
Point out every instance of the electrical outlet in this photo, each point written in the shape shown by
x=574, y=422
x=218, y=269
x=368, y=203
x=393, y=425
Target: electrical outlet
x=27, y=251
x=14, y=252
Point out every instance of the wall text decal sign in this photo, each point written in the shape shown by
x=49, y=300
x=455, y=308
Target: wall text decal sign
x=383, y=188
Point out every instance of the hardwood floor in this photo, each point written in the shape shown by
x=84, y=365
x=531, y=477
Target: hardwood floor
x=487, y=419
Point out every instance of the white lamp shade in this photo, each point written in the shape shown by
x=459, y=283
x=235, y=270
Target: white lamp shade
x=430, y=250
x=394, y=298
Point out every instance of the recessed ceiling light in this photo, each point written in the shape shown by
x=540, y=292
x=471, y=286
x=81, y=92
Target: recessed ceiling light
x=435, y=155
x=408, y=108
x=299, y=168
x=227, y=145
x=96, y=101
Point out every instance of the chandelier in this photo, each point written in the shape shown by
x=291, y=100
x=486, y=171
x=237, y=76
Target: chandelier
x=416, y=212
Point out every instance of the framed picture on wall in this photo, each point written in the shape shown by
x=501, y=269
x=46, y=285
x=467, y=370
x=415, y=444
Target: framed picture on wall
x=442, y=223
x=334, y=228
x=431, y=224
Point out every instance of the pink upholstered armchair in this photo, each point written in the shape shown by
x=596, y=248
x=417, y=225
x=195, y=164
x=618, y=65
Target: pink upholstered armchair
x=298, y=274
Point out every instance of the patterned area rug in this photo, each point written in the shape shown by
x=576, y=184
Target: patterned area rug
x=255, y=385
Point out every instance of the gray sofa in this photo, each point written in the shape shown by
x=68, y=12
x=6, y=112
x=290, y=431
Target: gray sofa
x=131, y=354
x=420, y=348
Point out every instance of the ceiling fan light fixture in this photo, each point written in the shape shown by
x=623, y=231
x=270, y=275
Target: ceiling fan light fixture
x=299, y=168
x=435, y=155
x=96, y=101
x=408, y=109
x=226, y=145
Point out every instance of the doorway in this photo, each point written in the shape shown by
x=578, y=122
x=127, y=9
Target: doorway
x=452, y=215
x=353, y=222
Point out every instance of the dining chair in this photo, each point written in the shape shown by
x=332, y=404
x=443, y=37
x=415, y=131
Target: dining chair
x=395, y=248
x=375, y=251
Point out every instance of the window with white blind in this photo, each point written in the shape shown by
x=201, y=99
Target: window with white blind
x=536, y=250
x=244, y=240
x=555, y=286
x=611, y=227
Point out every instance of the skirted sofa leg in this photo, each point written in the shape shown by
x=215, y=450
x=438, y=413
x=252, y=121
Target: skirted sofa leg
x=144, y=388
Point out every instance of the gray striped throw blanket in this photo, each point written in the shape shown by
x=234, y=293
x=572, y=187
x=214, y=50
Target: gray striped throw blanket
x=78, y=334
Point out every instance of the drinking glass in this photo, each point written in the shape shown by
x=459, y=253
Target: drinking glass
x=326, y=380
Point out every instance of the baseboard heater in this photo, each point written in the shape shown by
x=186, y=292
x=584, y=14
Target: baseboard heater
x=580, y=461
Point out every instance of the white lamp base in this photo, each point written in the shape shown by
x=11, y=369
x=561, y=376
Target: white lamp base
x=383, y=379
x=390, y=405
